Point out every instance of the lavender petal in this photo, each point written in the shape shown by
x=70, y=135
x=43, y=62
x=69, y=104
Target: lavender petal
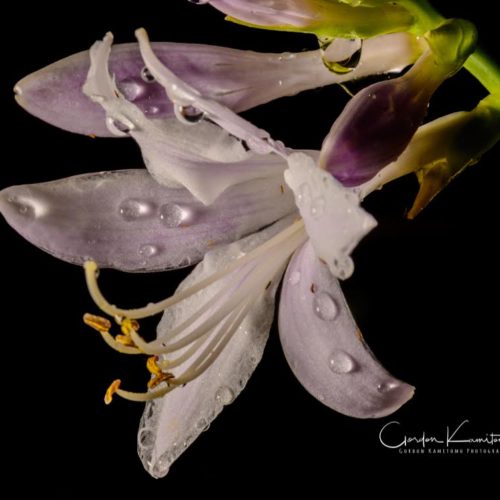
x=324, y=347
x=125, y=220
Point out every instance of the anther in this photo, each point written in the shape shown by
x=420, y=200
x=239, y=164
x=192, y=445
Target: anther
x=112, y=390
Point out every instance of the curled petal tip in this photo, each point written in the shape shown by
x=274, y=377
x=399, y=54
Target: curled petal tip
x=325, y=349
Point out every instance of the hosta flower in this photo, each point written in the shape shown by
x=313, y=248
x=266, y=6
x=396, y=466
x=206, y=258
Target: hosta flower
x=221, y=193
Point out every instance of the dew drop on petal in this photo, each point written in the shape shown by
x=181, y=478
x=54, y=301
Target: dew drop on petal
x=146, y=438
x=146, y=75
x=148, y=251
x=341, y=55
x=318, y=207
x=259, y=145
x=152, y=111
x=202, y=425
x=131, y=89
x=388, y=386
x=118, y=127
x=341, y=362
x=324, y=306
x=162, y=466
x=294, y=278
x=133, y=209
x=304, y=195
x=188, y=114
x=173, y=215
x=224, y=395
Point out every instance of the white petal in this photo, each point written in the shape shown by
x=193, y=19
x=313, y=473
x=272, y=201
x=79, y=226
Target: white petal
x=202, y=157
x=169, y=425
x=334, y=220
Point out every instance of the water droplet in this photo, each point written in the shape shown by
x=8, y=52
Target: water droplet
x=147, y=76
x=202, y=425
x=318, y=207
x=324, y=306
x=162, y=466
x=188, y=114
x=133, y=209
x=304, y=194
x=259, y=145
x=146, y=437
x=148, y=251
x=341, y=55
x=224, y=395
x=22, y=208
x=385, y=387
x=280, y=83
x=173, y=215
x=294, y=278
x=340, y=362
x=198, y=2
x=118, y=127
x=152, y=110
x=131, y=89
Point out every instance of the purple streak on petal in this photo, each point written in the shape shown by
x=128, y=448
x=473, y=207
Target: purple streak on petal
x=324, y=348
x=127, y=221
x=378, y=123
x=239, y=79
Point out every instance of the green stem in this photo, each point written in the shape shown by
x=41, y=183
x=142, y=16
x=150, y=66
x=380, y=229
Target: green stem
x=482, y=67
x=485, y=70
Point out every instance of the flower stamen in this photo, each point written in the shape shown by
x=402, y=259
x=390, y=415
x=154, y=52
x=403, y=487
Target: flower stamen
x=122, y=343
x=113, y=389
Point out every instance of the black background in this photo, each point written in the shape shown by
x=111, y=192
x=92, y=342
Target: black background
x=424, y=292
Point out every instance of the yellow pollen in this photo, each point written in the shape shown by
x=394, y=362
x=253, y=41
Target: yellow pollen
x=112, y=390
x=102, y=325
x=125, y=340
x=127, y=325
x=158, y=375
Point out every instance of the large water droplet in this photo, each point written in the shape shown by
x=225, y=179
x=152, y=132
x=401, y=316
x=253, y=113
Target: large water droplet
x=148, y=251
x=133, y=209
x=387, y=386
x=341, y=362
x=147, y=76
x=173, y=215
x=318, y=207
x=324, y=306
x=224, y=395
x=188, y=114
x=341, y=55
x=294, y=278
